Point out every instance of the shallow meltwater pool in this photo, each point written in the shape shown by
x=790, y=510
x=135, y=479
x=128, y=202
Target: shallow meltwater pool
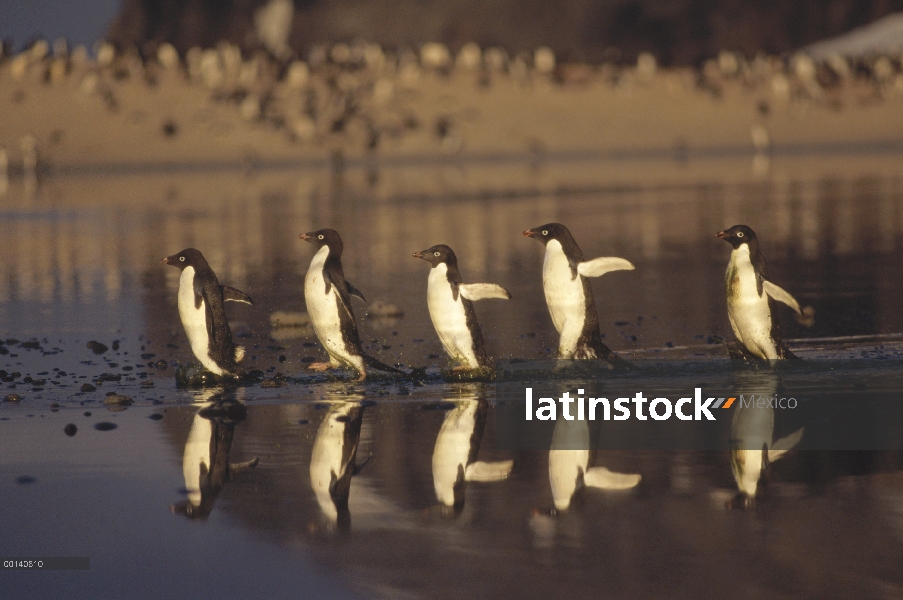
x=316, y=486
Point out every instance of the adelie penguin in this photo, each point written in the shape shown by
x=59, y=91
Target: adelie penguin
x=569, y=295
x=203, y=315
x=750, y=298
x=450, y=302
x=328, y=298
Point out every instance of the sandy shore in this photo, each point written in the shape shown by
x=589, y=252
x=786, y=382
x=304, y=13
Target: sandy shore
x=215, y=110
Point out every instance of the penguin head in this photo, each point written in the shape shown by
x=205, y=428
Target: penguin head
x=738, y=235
x=324, y=237
x=437, y=255
x=186, y=258
x=550, y=231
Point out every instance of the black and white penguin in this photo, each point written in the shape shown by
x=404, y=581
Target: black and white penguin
x=328, y=298
x=569, y=295
x=450, y=302
x=201, y=309
x=750, y=297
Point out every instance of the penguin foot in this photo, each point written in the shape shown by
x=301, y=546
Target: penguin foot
x=320, y=367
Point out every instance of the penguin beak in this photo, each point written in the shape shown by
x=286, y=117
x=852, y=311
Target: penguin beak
x=166, y=261
x=417, y=255
x=721, y=235
x=305, y=236
x=529, y=233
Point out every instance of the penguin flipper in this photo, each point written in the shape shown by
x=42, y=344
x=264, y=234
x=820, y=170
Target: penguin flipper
x=353, y=291
x=603, y=479
x=488, y=471
x=781, y=295
x=602, y=265
x=783, y=445
x=230, y=294
x=482, y=291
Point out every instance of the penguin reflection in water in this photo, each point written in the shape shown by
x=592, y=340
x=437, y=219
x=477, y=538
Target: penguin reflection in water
x=333, y=459
x=569, y=470
x=569, y=295
x=201, y=299
x=205, y=462
x=750, y=298
x=455, y=454
x=328, y=298
x=450, y=302
x=753, y=447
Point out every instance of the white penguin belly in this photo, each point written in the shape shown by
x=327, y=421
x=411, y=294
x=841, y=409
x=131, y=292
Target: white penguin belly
x=194, y=320
x=449, y=318
x=749, y=313
x=323, y=308
x=565, y=298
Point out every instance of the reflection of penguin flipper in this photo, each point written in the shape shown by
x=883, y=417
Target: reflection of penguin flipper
x=780, y=447
x=243, y=466
x=602, y=478
x=488, y=471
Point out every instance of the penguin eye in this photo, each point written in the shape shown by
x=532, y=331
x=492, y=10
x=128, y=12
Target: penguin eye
x=182, y=258
x=320, y=237
x=435, y=254
x=545, y=232
x=739, y=234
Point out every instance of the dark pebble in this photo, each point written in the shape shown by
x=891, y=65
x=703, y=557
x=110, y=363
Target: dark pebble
x=25, y=479
x=13, y=398
x=88, y=413
x=310, y=344
x=115, y=344
x=622, y=323
x=155, y=417
x=303, y=421
x=282, y=358
x=368, y=403
x=87, y=387
x=161, y=364
x=96, y=347
x=105, y=426
x=320, y=406
x=147, y=356
x=431, y=356
x=70, y=429
x=308, y=359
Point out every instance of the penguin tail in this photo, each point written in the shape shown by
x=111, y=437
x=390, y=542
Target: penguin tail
x=373, y=363
x=614, y=360
x=787, y=354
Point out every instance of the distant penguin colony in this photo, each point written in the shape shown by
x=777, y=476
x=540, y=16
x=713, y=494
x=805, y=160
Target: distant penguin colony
x=751, y=300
